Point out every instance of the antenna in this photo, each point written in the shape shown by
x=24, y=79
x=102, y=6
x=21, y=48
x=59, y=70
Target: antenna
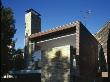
x=86, y=15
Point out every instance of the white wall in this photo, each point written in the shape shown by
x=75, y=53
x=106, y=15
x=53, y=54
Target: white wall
x=68, y=40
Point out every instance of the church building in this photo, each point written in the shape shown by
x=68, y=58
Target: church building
x=67, y=53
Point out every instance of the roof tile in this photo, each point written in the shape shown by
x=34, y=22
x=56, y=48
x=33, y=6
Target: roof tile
x=60, y=28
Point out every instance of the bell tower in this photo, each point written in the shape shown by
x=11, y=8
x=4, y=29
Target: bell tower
x=32, y=22
x=32, y=25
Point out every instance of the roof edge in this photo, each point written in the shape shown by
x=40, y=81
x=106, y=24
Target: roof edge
x=59, y=28
x=32, y=10
x=103, y=27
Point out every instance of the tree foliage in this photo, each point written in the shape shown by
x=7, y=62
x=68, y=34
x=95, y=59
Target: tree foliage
x=7, y=34
x=18, y=60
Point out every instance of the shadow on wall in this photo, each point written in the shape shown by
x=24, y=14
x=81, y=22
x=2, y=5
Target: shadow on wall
x=108, y=53
x=57, y=69
x=60, y=68
x=102, y=61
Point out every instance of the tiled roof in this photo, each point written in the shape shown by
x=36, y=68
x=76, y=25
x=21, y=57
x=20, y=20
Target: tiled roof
x=57, y=29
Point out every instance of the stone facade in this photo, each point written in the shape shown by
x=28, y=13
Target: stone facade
x=56, y=65
x=68, y=53
x=32, y=25
x=88, y=55
x=102, y=37
x=82, y=57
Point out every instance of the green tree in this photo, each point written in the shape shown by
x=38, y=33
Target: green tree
x=7, y=34
x=18, y=60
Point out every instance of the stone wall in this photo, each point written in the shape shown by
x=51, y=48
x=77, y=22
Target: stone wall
x=102, y=37
x=88, y=58
x=56, y=64
x=32, y=25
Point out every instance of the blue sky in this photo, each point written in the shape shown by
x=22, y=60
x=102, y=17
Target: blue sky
x=58, y=12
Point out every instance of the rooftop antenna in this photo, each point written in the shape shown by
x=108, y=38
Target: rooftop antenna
x=86, y=15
